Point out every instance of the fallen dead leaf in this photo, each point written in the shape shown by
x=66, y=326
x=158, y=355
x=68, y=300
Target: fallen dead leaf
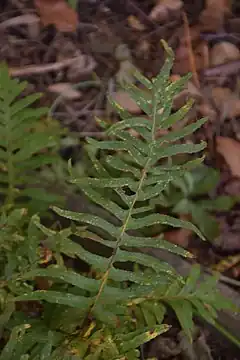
x=125, y=101
x=162, y=9
x=230, y=150
x=174, y=77
x=191, y=91
x=83, y=66
x=134, y=22
x=66, y=90
x=32, y=21
x=182, y=64
x=223, y=52
x=232, y=187
x=228, y=241
x=179, y=237
x=225, y=100
x=143, y=49
x=212, y=17
x=207, y=110
x=58, y=13
x=26, y=19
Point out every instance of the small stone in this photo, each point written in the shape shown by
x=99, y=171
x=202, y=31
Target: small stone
x=224, y=52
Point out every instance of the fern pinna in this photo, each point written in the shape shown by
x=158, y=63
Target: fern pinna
x=121, y=303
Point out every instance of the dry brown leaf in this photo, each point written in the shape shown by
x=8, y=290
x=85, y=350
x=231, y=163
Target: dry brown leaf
x=230, y=150
x=179, y=237
x=223, y=52
x=135, y=23
x=32, y=21
x=174, y=77
x=125, y=101
x=228, y=241
x=58, y=13
x=207, y=110
x=66, y=90
x=212, y=17
x=182, y=64
x=232, y=187
x=26, y=19
x=226, y=101
x=190, y=91
x=160, y=11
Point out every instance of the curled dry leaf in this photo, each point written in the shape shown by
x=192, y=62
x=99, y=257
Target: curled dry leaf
x=125, y=101
x=66, y=90
x=230, y=150
x=223, y=52
x=58, y=13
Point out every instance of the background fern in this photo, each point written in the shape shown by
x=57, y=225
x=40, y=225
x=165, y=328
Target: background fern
x=28, y=142
x=121, y=302
x=189, y=195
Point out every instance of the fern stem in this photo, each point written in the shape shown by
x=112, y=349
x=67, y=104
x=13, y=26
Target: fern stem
x=11, y=175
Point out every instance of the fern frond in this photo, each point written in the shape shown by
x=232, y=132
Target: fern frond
x=23, y=148
x=121, y=307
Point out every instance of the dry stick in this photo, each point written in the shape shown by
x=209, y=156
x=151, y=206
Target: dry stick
x=41, y=69
x=190, y=50
x=231, y=68
x=26, y=19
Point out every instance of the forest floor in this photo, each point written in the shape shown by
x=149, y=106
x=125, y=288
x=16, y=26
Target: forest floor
x=76, y=54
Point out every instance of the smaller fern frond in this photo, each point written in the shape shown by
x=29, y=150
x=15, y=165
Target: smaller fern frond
x=24, y=149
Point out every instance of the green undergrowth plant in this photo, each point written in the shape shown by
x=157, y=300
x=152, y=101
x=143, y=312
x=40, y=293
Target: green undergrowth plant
x=29, y=143
x=189, y=195
x=51, y=311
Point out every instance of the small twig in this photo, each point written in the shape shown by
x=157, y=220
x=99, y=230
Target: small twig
x=230, y=281
x=26, y=19
x=190, y=50
x=225, y=279
x=231, y=68
x=220, y=37
x=42, y=69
